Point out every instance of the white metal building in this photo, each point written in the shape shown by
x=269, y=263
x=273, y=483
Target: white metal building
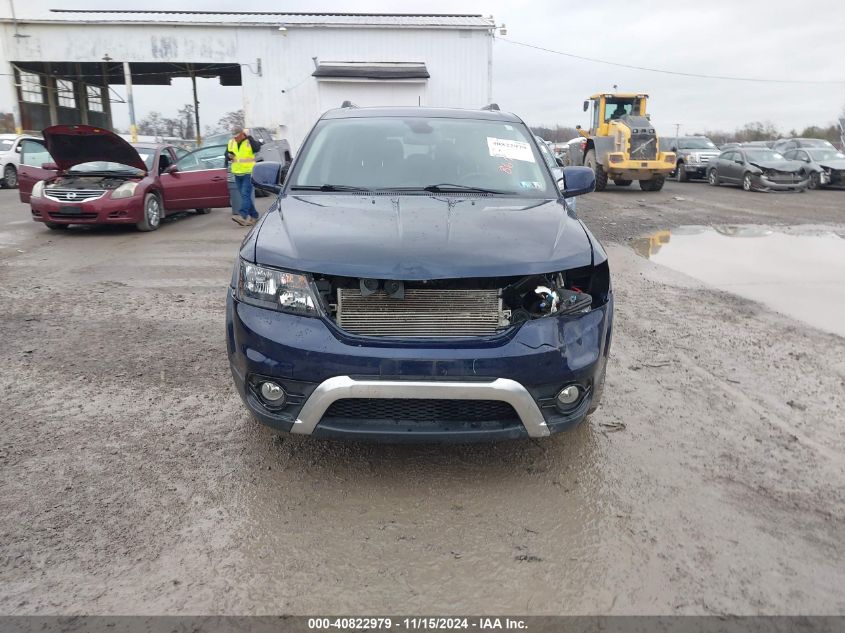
x=291, y=67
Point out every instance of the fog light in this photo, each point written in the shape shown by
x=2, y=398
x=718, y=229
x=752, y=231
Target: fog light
x=272, y=392
x=568, y=395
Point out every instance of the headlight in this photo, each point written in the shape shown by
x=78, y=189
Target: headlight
x=37, y=190
x=125, y=190
x=275, y=289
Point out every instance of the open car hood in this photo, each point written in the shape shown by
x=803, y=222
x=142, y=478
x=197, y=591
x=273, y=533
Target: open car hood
x=71, y=145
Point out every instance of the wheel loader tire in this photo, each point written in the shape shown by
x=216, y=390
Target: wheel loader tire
x=655, y=184
x=601, y=175
x=621, y=182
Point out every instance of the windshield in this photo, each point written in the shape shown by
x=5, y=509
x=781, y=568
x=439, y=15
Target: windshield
x=762, y=154
x=414, y=153
x=5, y=145
x=825, y=154
x=147, y=155
x=814, y=142
x=102, y=165
x=696, y=143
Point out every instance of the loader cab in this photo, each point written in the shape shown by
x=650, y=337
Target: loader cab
x=605, y=108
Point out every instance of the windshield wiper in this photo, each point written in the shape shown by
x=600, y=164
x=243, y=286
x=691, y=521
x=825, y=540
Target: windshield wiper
x=446, y=187
x=328, y=187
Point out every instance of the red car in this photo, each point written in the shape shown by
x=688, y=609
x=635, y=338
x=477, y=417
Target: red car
x=85, y=175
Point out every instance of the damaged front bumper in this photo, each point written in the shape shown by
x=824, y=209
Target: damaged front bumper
x=322, y=368
x=772, y=185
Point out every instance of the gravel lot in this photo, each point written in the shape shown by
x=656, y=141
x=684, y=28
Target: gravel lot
x=133, y=481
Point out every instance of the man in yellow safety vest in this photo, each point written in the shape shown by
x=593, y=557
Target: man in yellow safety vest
x=240, y=154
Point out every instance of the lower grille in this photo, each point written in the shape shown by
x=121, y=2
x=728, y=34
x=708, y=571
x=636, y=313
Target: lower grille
x=73, y=195
x=419, y=410
x=423, y=312
x=73, y=216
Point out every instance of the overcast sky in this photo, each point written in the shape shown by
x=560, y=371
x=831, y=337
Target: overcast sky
x=769, y=39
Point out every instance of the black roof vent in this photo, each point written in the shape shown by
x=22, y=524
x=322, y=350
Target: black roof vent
x=493, y=107
x=348, y=104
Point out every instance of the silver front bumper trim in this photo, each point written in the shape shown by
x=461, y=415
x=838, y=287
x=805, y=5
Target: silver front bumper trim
x=340, y=387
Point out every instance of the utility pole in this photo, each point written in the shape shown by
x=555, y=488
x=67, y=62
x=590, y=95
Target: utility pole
x=104, y=72
x=197, y=136
x=127, y=77
x=677, y=130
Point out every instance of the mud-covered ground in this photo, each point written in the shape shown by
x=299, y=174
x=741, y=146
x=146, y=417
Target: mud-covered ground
x=133, y=481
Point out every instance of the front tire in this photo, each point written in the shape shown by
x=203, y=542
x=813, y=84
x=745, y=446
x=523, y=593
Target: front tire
x=152, y=213
x=682, y=173
x=601, y=175
x=655, y=184
x=747, y=182
x=815, y=181
x=713, y=178
x=202, y=211
x=10, y=177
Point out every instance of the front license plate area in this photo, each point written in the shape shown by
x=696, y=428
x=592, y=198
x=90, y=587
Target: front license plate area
x=74, y=210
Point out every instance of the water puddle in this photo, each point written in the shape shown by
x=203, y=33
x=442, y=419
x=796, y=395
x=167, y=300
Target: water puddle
x=799, y=272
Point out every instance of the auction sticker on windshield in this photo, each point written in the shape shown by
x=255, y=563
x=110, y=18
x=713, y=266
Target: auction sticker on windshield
x=512, y=150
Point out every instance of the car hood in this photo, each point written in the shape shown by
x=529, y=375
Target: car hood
x=838, y=163
x=779, y=165
x=420, y=237
x=71, y=145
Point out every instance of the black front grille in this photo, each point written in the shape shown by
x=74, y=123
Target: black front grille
x=422, y=410
x=72, y=216
x=643, y=147
x=783, y=176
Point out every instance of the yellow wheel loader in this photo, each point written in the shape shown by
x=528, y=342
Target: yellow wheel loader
x=622, y=144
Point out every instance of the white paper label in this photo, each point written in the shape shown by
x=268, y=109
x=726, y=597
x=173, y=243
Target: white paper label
x=512, y=150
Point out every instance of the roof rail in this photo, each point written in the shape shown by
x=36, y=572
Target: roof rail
x=492, y=107
x=348, y=104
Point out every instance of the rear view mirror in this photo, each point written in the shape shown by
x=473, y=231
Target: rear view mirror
x=577, y=181
x=586, y=105
x=268, y=176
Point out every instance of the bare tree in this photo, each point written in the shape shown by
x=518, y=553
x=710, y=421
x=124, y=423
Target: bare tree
x=153, y=124
x=556, y=134
x=231, y=119
x=188, y=125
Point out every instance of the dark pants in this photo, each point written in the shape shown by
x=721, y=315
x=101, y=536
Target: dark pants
x=244, y=184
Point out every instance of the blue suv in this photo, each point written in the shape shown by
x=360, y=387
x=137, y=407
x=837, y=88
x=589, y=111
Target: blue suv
x=422, y=276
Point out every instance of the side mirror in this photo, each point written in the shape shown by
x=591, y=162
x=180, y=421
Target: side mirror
x=738, y=161
x=50, y=166
x=577, y=181
x=586, y=106
x=18, y=149
x=268, y=176
x=559, y=161
x=171, y=169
